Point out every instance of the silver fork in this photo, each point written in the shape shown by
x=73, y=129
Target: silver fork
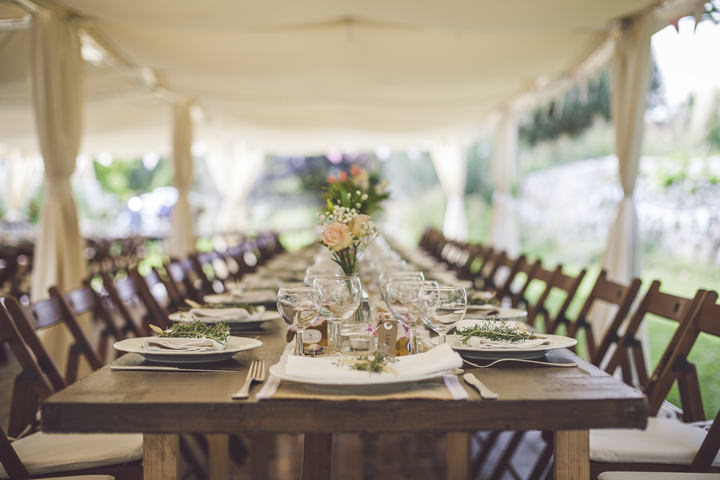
x=257, y=372
x=521, y=360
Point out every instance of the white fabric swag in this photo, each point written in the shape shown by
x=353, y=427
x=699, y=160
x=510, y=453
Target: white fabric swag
x=450, y=164
x=503, y=227
x=182, y=238
x=57, y=87
x=631, y=81
x=234, y=167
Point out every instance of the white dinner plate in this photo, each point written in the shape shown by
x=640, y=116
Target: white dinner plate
x=234, y=345
x=371, y=380
x=251, y=296
x=480, y=311
x=266, y=316
x=535, y=351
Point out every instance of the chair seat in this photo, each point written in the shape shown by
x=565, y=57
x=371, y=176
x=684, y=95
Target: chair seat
x=657, y=476
x=44, y=453
x=665, y=441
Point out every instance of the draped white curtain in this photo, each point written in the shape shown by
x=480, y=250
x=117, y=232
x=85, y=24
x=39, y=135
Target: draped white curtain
x=503, y=227
x=234, y=167
x=182, y=238
x=631, y=81
x=450, y=164
x=57, y=87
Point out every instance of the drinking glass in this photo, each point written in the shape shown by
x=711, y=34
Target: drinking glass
x=320, y=270
x=388, y=275
x=341, y=297
x=299, y=307
x=403, y=301
x=442, y=308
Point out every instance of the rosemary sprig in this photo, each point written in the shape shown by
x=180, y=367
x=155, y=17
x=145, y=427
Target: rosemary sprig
x=498, y=331
x=215, y=331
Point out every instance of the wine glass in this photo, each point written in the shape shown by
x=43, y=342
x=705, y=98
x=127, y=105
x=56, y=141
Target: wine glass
x=388, y=275
x=442, y=308
x=341, y=297
x=403, y=300
x=320, y=270
x=299, y=307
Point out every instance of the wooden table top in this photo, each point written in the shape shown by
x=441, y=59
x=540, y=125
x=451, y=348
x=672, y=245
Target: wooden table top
x=541, y=398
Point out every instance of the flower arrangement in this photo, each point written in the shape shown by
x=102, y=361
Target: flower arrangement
x=360, y=190
x=346, y=233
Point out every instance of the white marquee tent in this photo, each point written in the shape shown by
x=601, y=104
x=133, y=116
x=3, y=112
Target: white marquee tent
x=307, y=76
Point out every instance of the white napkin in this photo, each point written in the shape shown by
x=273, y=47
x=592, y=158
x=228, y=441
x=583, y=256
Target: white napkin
x=439, y=359
x=157, y=344
x=225, y=314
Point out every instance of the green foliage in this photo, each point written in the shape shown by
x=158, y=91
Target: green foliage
x=126, y=177
x=572, y=116
x=479, y=181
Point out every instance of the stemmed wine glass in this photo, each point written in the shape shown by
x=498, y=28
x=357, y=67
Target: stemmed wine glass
x=341, y=297
x=403, y=300
x=321, y=270
x=299, y=307
x=389, y=275
x=442, y=308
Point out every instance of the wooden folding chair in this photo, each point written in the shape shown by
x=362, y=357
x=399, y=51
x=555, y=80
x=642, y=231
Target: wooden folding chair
x=86, y=301
x=48, y=313
x=617, y=346
x=128, y=305
x=604, y=292
x=117, y=455
x=669, y=444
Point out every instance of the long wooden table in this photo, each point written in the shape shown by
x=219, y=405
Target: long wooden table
x=567, y=401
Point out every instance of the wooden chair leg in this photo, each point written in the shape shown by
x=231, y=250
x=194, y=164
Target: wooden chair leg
x=507, y=455
x=479, y=460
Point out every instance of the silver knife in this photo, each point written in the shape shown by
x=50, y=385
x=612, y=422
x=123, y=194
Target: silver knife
x=163, y=368
x=484, y=391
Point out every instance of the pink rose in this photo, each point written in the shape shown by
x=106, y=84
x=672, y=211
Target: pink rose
x=336, y=236
x=357, y=223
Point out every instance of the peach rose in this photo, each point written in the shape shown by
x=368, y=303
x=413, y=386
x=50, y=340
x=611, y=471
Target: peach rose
x=355, y=170
x=331, y=179
x=336, y=236
x=342, y=176
x=361, y=179
x=357, y=223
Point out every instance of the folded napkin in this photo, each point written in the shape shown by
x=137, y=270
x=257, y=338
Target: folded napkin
x=225, y=314
x=158, y=344
x=485, y=344
x=440, y=359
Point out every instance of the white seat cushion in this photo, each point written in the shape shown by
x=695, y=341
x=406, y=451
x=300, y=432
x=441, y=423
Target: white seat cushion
x=665, y=440
x=657, y=476
x=43, y=453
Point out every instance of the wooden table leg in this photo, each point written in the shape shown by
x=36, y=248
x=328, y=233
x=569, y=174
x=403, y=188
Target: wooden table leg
x=317, y=453
x=457, y=455
x=219, y=456
x=572, y=455
x=160, y=456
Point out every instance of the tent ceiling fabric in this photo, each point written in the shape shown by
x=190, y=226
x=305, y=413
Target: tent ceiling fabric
x=325, y=66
